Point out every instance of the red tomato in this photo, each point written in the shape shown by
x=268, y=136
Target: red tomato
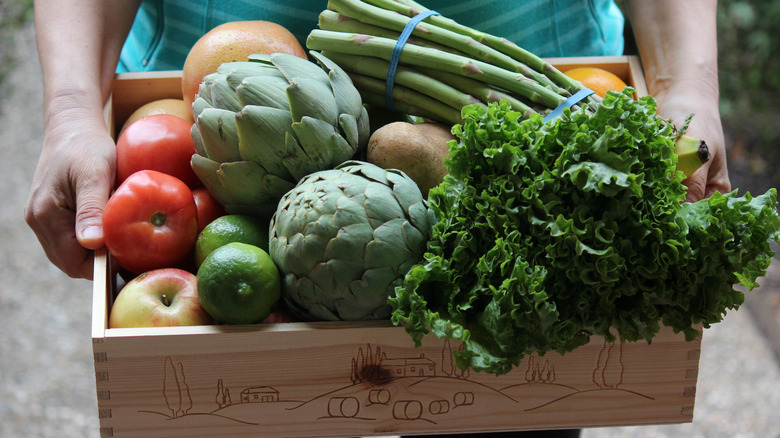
x=208, y=207
x=150, y=221
x=160, y=142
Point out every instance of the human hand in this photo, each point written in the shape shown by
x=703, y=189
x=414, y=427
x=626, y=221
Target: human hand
x=713, y=175
x=72, y=182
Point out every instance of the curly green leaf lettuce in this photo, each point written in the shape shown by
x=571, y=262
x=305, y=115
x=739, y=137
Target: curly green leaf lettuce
x=550, y=233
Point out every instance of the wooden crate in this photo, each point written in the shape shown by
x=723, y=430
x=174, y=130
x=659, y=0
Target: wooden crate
x=362, y=378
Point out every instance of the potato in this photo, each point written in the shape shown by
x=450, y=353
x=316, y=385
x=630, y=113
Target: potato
x=417, y=149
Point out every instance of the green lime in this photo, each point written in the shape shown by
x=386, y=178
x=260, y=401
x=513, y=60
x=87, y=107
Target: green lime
x=231, y=228
x=238, y=283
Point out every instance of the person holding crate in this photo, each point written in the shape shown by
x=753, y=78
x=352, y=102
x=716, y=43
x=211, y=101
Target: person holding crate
x=82, y=44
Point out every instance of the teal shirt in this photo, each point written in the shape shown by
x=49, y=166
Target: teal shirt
x=164, y=31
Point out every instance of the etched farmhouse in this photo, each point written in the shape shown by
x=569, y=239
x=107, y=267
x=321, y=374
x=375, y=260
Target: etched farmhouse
x=410, y=366
x=259, y=394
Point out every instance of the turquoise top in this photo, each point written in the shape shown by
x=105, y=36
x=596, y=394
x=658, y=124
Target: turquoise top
x=164, y=31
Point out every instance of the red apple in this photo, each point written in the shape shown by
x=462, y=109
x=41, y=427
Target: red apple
x=159, y=298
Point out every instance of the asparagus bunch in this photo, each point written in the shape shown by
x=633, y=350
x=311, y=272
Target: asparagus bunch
x=443, y=66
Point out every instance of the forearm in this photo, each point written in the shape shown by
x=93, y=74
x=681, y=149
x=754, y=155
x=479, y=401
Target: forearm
x=677, y=42
x=78, y=45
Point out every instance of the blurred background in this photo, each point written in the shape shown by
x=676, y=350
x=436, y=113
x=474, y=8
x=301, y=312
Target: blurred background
x=47, y=385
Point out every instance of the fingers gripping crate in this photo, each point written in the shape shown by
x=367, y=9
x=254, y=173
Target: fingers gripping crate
x=362, y=378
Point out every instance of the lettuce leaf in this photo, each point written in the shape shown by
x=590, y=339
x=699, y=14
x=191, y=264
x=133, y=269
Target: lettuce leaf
x=550, y=233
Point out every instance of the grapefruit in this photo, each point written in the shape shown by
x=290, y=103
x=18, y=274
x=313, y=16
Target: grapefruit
x=230, y=42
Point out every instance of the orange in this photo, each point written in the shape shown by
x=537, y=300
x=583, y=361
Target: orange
x=597, y=79
x=175, y=107
x=230, y=42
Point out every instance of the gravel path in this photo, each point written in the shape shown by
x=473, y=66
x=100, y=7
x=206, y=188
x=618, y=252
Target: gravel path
x=47, y=383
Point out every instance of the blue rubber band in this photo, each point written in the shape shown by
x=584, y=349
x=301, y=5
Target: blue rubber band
x=399, y=45
x=571, y=101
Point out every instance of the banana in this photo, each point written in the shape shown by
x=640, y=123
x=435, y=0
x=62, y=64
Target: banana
x=691, y=154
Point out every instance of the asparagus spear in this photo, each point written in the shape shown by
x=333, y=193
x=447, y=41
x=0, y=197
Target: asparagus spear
x=525, y=62
x=405, y=76
x=366, y=45
x=382, y=18
x=483, y=92
x=336, y=21
x=406, y=99
x=332, y=20
x=449, y=36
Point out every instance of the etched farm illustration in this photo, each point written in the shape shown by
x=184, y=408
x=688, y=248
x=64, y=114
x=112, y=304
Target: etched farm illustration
x=378, y=386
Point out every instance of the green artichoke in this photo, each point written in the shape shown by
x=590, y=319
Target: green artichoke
x=344, y=238
x=263, y=124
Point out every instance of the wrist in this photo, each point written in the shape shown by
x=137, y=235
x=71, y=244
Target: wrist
x=74, y=105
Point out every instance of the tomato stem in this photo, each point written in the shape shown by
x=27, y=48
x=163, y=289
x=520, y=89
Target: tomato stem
x=158, y=219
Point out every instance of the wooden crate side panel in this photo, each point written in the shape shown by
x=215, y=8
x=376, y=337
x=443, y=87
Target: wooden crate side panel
x=372, y=381
x=102, y=286
x=132, y=90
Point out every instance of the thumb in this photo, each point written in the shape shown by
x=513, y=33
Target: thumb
x=90, y=203
x=695, y=184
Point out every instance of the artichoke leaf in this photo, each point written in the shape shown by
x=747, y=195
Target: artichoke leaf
x=349, y=212
x=268, y=91
x=314, y=220
x=261, y=135
x=342, y=150
x=199, y=105
x=353, y=187
x=296, y=160
x=222, y=95
x=301, y=252
x=367, y=303
x=261, y=58
x=350, y=243
x=204, y=89
x=295, y=68
x=335, y=275
x=421, y=217
x=373, y=173
x=206, y=170
x=236, y=72
x=218, y=131
x=313, y=136
x=381, y=206
x=395, y=242
x=309, y=97
x=307, y=305
x=323, y=145
x=364, y=129
x=348, y=99
x=405, y=189
x=349, y=126
x=251, y=185
x=200, y=149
